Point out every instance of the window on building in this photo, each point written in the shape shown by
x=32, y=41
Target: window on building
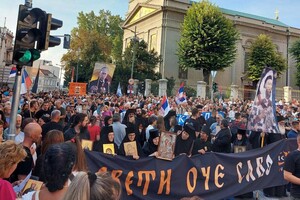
x=153, y=42
x=182, y=73
x=246, y=61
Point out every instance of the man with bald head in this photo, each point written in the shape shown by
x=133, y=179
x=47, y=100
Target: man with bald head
x=53, y=124
x=33, y=134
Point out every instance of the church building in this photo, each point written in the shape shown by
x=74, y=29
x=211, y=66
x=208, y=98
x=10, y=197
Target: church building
x=158, y=23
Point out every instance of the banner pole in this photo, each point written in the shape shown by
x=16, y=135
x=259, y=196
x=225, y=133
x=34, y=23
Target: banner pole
x=263, y=138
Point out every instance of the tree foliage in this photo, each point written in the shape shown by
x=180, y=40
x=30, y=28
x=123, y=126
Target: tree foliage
x=145, y=61
x=207, y=39
x=144, y=65
x=263, y=53
x=170, y=86
x=97, y=38
x=295, y=51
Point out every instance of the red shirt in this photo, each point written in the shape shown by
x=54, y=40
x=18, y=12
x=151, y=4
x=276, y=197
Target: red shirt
x=6, y=190
x=94, y=131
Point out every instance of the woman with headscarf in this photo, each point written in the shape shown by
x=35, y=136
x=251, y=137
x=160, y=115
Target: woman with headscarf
x=108, y=120
x=150, y=147
x=131, y=137
x=106, y=138
x=184, y=141
x=241, y=138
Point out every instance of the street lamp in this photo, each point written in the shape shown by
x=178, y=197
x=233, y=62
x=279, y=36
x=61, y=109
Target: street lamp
x=77, y=54
x=133, y=49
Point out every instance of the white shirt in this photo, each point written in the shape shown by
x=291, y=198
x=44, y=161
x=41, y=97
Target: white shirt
x=147, y=131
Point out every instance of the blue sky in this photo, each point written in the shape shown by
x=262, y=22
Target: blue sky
x=67, y=11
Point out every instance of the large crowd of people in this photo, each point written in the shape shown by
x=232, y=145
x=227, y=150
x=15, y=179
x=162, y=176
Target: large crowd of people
x=51, y=126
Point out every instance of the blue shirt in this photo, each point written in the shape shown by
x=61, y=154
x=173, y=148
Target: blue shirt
x=292, y=134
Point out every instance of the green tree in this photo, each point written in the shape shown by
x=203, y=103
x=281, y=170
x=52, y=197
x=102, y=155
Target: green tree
x=190, y=92
x=98, y=38
x=170, y=86
x=263, y=53
x=207, y=39
x=295, y=51
x=145, y=63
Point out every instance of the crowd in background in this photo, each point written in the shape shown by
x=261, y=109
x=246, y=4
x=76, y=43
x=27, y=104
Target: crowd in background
x=50, y=127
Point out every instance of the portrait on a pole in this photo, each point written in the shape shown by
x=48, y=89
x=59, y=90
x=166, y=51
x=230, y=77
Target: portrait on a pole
x=101, y=78
x=262, y=116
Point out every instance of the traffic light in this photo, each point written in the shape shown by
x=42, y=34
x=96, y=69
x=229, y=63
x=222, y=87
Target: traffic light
x=27, y=34
x=48, y=40
x=67, y=40
x=142, y=89
x=215, y=87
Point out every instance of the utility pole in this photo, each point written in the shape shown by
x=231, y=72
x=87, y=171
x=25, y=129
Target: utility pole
x=77, y=53
x=133, y=51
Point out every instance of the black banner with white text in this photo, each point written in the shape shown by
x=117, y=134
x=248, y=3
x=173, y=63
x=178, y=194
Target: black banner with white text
x=209, y=176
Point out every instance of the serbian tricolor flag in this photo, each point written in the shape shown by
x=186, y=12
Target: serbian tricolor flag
x=13, y=72
x=26, y=82
x=180, y=96
x=165, y=107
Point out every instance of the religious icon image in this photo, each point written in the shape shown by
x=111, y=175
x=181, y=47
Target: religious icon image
x=130, y=148
x=87, y=144
x=239, y=149
x=77, y=89
x=109, y=149
x=166, y=146
x=32, y=185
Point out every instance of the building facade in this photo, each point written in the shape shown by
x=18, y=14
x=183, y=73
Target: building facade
x=158, y=22
x=49, y=76
x=6, y=54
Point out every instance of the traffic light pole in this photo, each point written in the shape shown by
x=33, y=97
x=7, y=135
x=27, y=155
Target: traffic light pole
x=213, y=75
x=15, y=104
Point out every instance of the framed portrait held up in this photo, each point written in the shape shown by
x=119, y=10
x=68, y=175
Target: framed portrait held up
x=109, y=149
x=130, y=148
x=166, y=145
x=239, y=149
x=32, y=185
x=87, y=144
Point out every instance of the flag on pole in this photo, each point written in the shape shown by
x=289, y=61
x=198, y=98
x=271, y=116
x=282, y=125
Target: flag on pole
x=26, y=82
x=180, y=96
x=165, y=107
x=36, y=82
x=13, y=72
x=119, y=91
